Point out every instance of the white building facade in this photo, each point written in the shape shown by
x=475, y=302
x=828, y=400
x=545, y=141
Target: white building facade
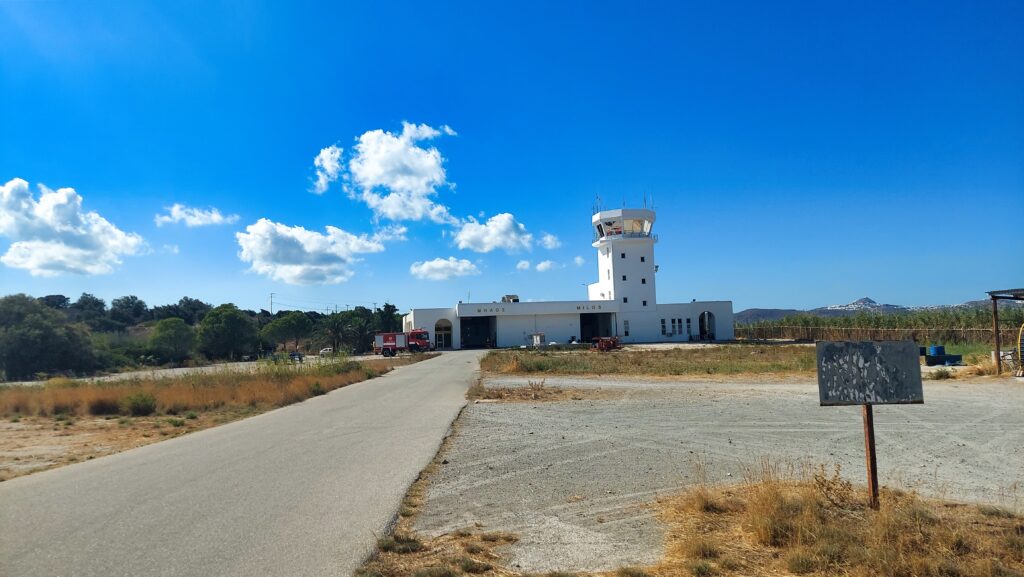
x=623, y=302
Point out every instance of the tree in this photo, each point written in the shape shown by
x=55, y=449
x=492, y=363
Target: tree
x=226, y=332
x=331, y=330
x=172, y=340
x=35, y=338
x=59, y=302
x=129, y=310
x=387, y=319
x=292, y=326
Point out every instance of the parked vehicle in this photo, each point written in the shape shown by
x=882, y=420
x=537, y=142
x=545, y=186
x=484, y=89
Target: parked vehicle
x=296, y=356
x=390, y=344
x=326, y=352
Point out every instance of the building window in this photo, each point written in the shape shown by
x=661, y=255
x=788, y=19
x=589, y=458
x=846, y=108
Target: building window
x=625, y=299
x=623, y=277
x=674, y=331
x=643, y=259
x=688, y=332
x=645, y=303
x=663, y=325
x=643, y=281
x=625, y=328
x=609, y=274
x=623, y=255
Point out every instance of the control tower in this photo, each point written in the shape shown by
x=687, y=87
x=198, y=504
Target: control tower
x=625, y=258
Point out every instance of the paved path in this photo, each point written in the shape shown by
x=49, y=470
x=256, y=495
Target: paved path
x=303, y=490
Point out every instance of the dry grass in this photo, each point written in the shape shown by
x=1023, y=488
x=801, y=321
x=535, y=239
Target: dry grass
x=535, y=391
x=268, y=387
x=718, y=360
x=819, y=525
x=68, y=421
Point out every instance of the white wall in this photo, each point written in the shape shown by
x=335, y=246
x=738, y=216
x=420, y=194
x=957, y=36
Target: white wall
x=427, y=318
x=517, y=330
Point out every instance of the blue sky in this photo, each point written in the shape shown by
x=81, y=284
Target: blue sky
x=798, y=154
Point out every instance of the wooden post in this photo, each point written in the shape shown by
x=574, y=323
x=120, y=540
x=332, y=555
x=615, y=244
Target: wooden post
x=995, y=330
x=869, y=450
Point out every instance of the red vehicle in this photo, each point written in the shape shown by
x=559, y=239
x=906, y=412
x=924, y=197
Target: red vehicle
x=390, y=344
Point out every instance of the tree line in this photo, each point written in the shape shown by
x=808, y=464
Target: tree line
x=54, y=335
x=952, y=325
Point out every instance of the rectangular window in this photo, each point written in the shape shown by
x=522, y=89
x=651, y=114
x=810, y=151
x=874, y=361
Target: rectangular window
x=625, y=299
x=663, y=325
x=609, y=274
x=623, y=255
x=643, y=281
x=623, y=277
x=625, y=328
x=645, y=303
x=674, y=331
x=643, y=259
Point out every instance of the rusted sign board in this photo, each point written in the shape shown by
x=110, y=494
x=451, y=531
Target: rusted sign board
x=869, y=373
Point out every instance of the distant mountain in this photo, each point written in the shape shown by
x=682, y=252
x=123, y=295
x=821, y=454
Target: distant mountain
x=860, y=305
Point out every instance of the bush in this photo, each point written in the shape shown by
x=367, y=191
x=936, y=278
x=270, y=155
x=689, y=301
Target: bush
x=399, y=543
x=473, y=566
x=139, y=404
x=800, y=562
x=316, y=389
x=104, y=406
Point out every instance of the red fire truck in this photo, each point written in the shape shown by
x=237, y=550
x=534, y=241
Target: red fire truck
x=390, y=344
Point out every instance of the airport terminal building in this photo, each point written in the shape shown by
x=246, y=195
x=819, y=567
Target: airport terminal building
x=621, y=303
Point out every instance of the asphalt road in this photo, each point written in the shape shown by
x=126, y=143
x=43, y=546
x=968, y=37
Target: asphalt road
x=303, y=490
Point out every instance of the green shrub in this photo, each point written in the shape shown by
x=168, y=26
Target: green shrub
x=139, y=404
x=175, y=422
x=316, y=389
x=800, y=562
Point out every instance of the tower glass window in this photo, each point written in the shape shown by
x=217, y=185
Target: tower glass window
x=623, y=255
x=645, y=303
x=643, y=259
x=643, y=281
x=625, y=299
x=623, y=277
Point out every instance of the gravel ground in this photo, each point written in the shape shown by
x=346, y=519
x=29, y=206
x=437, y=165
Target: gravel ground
x=574, y=478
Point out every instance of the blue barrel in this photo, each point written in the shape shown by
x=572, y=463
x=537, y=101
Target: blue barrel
x=936, y=350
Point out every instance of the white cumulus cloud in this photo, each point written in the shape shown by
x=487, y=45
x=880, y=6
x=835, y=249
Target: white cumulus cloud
x=550, y=241
x=500, y=231
x=442, y=269
x=193, y=217
x=328, y=167
x=547, y=265
x=53, y=235
x=295, y=255
x=396, y=177
x=523, y=265
x=578, y=260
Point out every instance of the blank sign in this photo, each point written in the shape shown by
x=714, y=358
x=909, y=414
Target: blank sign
x=869, y=373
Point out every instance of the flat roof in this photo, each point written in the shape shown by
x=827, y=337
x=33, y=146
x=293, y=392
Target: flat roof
x=1013, y=294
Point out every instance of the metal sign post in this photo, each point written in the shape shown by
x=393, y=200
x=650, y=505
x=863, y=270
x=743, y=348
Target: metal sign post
x=869, y=373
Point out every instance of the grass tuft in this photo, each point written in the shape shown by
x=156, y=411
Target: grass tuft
x=399, y=543
x=473, y=566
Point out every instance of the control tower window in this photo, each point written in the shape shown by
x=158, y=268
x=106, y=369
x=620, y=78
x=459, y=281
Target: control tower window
x=643, y=259
x=623, y=255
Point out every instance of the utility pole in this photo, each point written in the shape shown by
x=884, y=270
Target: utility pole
x=271, y=304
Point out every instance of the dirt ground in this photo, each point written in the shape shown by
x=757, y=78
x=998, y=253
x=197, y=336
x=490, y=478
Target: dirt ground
x=31, y=444
x=576, y=479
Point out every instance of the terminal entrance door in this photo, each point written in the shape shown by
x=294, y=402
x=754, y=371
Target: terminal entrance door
x=593, y=325
x=479, y=332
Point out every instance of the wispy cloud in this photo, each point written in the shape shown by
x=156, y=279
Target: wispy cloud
x=193, y=217
x=442, y=269
x=327, y=165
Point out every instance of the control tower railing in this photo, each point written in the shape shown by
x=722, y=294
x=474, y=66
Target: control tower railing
x=598, y=237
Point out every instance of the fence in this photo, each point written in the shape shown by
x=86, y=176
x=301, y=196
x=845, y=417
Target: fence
x=1008, y=336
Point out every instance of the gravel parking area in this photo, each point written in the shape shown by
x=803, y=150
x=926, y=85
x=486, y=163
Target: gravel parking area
x=573, y=478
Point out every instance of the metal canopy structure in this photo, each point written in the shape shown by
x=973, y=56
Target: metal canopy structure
x=996, y=296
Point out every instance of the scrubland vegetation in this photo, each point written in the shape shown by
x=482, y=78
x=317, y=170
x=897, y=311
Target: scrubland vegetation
x=270, y=385
x=964, y=325
x=718, y=360
x=820, y=524
x=52, y=336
